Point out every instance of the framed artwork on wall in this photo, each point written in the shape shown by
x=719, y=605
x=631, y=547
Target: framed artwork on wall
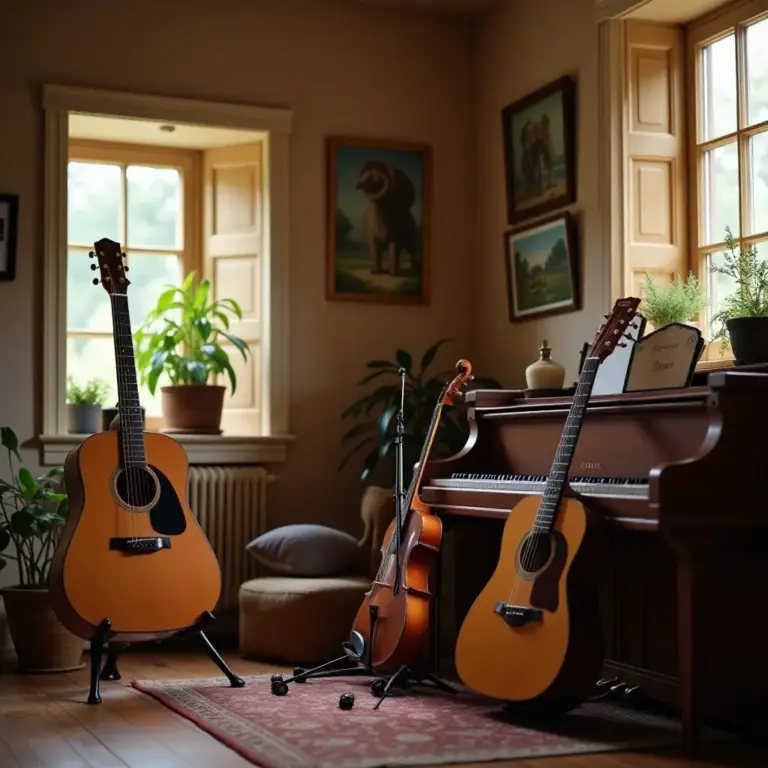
x=9, y=216
x=539, y=134
x=379, y=221
x=542, y=268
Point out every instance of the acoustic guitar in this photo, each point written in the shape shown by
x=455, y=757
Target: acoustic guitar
x=131, y=552
x=392, y=624
x=533, y=635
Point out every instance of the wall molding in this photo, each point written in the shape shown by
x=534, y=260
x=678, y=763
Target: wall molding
x=58, y=102
x=616, y=9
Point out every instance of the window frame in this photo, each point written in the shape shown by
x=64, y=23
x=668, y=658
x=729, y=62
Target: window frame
x=187, y=162
x=58, y=102
x=700, y=33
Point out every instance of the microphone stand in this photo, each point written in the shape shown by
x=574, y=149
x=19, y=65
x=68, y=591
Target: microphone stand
x=399, y=491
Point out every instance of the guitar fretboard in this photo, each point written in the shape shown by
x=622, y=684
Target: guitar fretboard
x=553, y=490
x=129, y=407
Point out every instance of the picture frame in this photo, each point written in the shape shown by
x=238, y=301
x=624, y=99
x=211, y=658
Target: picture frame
x=379, y=220
x=9, y=223
x=539, y=137
x=542, y=268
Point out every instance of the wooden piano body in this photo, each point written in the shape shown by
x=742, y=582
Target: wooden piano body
x=681, y=480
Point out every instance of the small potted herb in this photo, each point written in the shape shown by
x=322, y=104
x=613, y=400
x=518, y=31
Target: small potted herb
x=679, y=301
x=84, y=405
x=743, y=317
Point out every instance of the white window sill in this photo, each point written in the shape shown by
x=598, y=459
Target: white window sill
x=200, y=449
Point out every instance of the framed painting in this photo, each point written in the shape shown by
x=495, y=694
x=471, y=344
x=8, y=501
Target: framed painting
x=379, y=225
x=542, y=269
x=539, y=134
x=9, y=215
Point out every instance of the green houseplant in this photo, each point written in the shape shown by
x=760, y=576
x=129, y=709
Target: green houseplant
x=678, y=301
x=33, y=510
x=182, y=338
x=743, y=316
x=84, y=404
x=375, y=412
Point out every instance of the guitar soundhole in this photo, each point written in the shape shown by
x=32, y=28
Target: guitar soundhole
x=136, y=486
x=535, y=552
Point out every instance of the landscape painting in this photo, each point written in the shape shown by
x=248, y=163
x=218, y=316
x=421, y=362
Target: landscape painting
x=542, y=273
x=379, y=221
x=539, y=151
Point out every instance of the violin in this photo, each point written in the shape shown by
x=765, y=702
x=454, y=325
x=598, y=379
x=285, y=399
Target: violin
x=394, y=615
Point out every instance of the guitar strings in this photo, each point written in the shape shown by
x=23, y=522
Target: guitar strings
x=123, y=427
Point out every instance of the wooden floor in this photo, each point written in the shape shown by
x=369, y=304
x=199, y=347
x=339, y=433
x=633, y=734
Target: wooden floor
x=44, y=722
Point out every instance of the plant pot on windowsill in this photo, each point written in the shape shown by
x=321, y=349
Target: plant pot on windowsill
x=83, y=418
x=749, y=339
x=42, y=642
x=193, y=408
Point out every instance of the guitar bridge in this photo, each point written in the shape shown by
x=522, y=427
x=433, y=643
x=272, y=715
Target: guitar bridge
x=517, y=615
x=140, y=545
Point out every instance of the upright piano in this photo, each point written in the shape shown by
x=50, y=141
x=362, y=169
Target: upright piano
x=680, y=478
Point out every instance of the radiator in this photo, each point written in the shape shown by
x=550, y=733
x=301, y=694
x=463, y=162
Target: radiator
x=230, y=505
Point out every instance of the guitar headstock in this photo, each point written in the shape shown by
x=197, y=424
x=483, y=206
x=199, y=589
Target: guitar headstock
x=610, y=334
x=111, y=268
x=452, y=390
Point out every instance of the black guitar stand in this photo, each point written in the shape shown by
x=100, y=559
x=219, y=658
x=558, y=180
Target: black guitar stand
x=111, y=672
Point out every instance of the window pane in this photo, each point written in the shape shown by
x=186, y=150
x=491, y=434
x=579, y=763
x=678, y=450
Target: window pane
x=95, y=358
x=88, y=305
x=757, y=72
x=721, y=192
x=94, y=202
x=154, y=207
x=758, y=183
x=718, y=83
x=150, y=274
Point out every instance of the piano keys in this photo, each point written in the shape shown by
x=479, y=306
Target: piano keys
x=677, y=476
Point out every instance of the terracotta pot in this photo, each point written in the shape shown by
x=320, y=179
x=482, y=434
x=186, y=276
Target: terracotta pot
x=193, y=408
x=42, y=642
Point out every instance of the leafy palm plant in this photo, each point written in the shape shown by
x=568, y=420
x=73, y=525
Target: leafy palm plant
x=374, y=432
x=33, y=510
x=186, y=345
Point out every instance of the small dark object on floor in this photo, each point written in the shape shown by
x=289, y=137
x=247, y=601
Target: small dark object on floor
x=346, y=701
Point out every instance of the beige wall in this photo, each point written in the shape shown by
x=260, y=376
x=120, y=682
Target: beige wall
x=521, y=47
x=341, y=68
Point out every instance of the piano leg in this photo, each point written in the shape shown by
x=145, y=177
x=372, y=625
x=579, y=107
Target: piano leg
x=690, y=567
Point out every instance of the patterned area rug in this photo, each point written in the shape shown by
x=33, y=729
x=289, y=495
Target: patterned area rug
x=417, y=726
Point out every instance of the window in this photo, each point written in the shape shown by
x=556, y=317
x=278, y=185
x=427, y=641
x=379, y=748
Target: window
x=728, y=82
x=217, y=125
x=138, y=196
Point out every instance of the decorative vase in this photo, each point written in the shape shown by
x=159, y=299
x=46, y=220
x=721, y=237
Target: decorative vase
x=84, y=418
x=545, y=373
x=42, y=642
x=749, y=339
x=193, y=408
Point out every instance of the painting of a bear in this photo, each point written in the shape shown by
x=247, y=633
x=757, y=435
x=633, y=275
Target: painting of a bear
x=379, y=206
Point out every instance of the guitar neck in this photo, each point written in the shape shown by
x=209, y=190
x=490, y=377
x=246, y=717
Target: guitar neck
x=129, y=407
x=561, y=465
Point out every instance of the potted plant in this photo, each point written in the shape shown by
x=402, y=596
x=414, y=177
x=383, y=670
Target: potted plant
x=743, y=318
x=679, y=301
x=181, y=339
x=32, y=514
x=84, y=405
x=378, y=408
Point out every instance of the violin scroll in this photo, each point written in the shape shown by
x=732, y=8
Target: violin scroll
x=463, y=375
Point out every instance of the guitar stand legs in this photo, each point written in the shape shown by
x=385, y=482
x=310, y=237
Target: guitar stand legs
x=97, y=645
x=111, y=672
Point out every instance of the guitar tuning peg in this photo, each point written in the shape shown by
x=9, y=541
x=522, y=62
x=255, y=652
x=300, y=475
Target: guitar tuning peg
x=95, y=280
x=91, y=255
x=94, y=266
x=606, y=316
x=125, y=269
x=622, y=344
